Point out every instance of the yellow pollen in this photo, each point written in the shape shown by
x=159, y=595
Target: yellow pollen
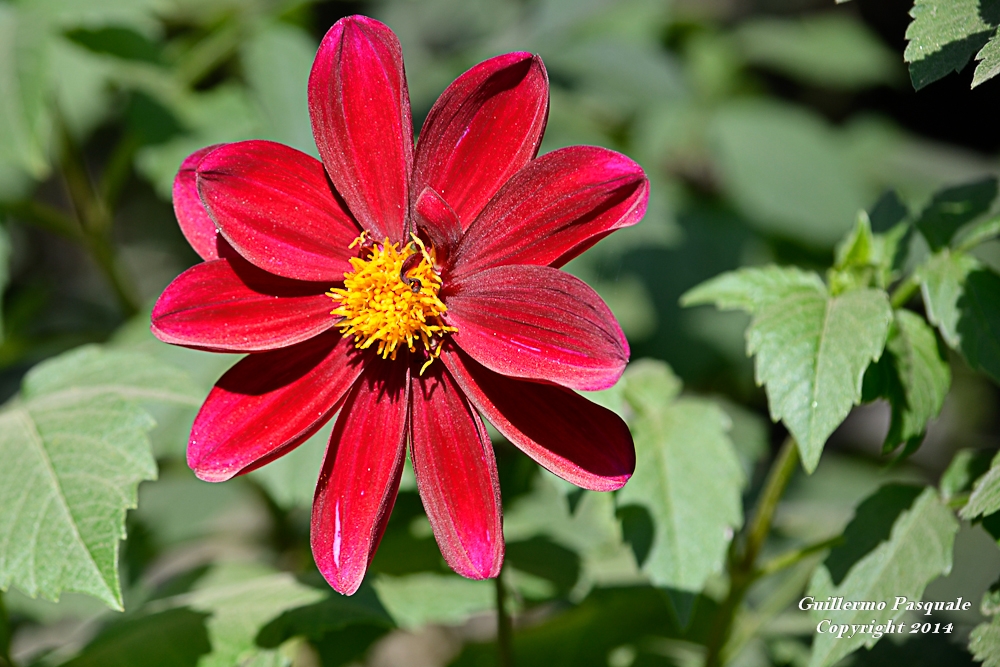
x=392, y=297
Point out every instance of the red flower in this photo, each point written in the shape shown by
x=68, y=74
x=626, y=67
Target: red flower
x=439, y=264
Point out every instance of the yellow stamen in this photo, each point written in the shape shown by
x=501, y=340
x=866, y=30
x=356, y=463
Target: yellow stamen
x=380, y=302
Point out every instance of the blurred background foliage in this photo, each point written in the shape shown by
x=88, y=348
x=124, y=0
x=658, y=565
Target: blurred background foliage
x=764, y=127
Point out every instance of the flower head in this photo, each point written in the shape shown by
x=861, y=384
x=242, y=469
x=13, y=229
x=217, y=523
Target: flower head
x=410, y=289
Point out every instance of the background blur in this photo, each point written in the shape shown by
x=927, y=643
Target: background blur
x=764, y=126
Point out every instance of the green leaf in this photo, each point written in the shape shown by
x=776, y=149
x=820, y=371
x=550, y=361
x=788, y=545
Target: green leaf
x=419, y=599
x=900, y=539
x=25, y=120
x=942, y=282
x=989, y=62
x=831, y=50
x=331, y=614
x=291, y=480
x=752, y=289
x=276, y=60
x=787, y=170
x=979, y=323
x=944, y=34
x=923, y=377
x=965, y=468
x=242, y=599
x=978, y=233
x=985, y=497
x=984, y=643
x=811, y=354
x=688, y=476
x=172, y=638
x=953, y=207
x=75, y=448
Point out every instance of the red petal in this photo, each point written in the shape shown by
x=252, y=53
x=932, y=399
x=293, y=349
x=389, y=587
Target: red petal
x=229, y=305
x=360, y=111
x=482, y=130
x=360, y=477
x=275, y=205
x=457, y=475
x=554, y=209
x=539, y=323
x=269, y=403
x=577, y=440
x=197, y=226
x=440, y=223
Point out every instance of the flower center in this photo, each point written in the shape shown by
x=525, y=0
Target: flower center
x=391, y=297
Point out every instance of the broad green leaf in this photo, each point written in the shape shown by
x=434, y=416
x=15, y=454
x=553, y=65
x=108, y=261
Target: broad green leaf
x=831, y=50
x=419, y=599
x=985, y=497
x=787, y=170
x=953, y=207
x=25, y=120
x=963, y=471
x=989, y=62
x=942, y=282
x=811, y=354
x=752, y=289
x=172, y=638
x=277, y=60
x=687, y=476
x=331, y=614
x=924, y=378
x=75, y=448
x=984, y=643
x=242, y=599
x=944, y=34
x=979, y=322
x=880, y=561
x=978, y=233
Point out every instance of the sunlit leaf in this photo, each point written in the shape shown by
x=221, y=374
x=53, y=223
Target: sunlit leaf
x=25, y=121
x=965, y=468
x=984, y=643
x=942, y=281
x=74, y=449
x=823, y=49
x=687, y=476
x=418, y=599
x=985, y=497
x=242, y=599
x=786, y=169
x=900, y=539
x=943, y=36
x=753, y=289
x=988, y=62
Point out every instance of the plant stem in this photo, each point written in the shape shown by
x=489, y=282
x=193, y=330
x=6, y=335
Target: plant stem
x=505, y=627
x=742, y=562
x=95, y=221
x=5, y=659
x=903, y=292
x=44, y=217
x=797, y=555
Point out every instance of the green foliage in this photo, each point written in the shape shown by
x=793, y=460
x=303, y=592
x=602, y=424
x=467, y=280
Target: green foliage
x=172, y=638
x=984, y=643
x=965, y=468
x=985, y=497
x=822, y=49
x=942, y=282
x=688, y=477
x=5, y=251
x=945, y=34
x=812, y=348
x=899, y=540
x=241, y=600
x=75, y=448
x=953, y=207
x=418, y=599
x=784, y=167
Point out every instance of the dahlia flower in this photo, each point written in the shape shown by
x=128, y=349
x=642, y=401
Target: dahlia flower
x=407, y=289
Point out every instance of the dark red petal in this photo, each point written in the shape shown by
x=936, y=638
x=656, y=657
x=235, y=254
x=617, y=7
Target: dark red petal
x=229, y=305
x=360, y=111
x=276, y=207
x=457, y=475
x=539, y=323
x=437, y=219
x=577, y=440
x=360, y=476
x=197, y=226
x=554, y=209
x=482, y=130
x=269, y=403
